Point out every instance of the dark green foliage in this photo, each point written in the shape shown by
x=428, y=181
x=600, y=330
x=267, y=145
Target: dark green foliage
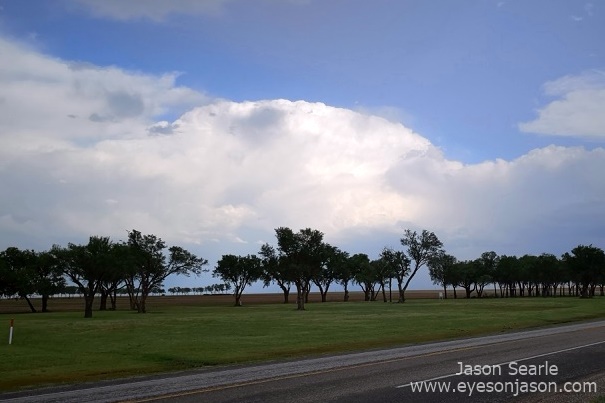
x=148, y=266
x=26, y=272
x=86, y=266
x=421, y=249
x=586, y=265
x=440, y=270
x=300, y=256
x=238, y=272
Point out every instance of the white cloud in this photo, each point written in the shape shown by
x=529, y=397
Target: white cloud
x=41, y=95
x=578, y=111
x=225, y=174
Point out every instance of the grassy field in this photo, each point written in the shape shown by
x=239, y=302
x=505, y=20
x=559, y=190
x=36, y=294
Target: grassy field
x=191, y=332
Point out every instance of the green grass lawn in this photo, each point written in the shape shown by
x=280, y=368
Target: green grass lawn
x=63, y=347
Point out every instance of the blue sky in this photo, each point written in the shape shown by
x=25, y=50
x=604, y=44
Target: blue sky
x=480, y=120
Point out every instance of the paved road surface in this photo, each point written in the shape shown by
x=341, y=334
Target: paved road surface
x=576, y=352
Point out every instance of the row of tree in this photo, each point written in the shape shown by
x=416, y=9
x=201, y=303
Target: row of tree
x=74, y=291
x=300, y=259
x=303, y=259
x=579, y=272
x=138, y=265
x=209, y=289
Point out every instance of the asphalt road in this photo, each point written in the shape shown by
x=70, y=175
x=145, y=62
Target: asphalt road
x=572, y=353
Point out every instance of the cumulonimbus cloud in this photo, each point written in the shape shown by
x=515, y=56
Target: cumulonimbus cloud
x=227, y=173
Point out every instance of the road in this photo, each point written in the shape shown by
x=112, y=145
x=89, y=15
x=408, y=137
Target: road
x=570, y=353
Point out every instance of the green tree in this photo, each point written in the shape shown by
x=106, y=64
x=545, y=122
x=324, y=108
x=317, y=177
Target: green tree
x=5, y=278
x=526, y=280
x=86, y=266
x=19, y=277
x=48, y=277
x=586, y=263
x=464, y=274
x=481, y=275
x=301, y=254
x=507, y=275
x=343, y=273
x=150, y=266
x=377, y=273
x=363, y=274
x=400, y=267
x=239, y=272
x=488, y=266
x=549, y=273
x=384, y=274
x=115, y=278
x=275, y=270
x=440, y=270
x=421, y=249
x=332, y=262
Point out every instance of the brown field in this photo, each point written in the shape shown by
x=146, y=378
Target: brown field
x=65, y=304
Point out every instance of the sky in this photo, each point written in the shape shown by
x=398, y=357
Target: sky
x=211, y=123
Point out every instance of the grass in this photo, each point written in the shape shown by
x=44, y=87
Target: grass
x=63, y=347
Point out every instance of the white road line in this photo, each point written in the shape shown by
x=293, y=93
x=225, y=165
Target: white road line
x=506, y=363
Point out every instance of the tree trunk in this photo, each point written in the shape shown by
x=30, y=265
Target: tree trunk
x=286, y=294
x=31, y=307
x=88, y=300
x=444, y=291
x=238, y=299
x=584, y=292
x=366, y=292
x=45, y=303
x=401, y=297
x=141, y=305
x=132, y=298
x=323, y=295
x=103, y=304
x=455, y=296
x=346, y=299
x=375, y=293
x=113, y=298
x=300, y=297
x=307, y=291
x=285, y=290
